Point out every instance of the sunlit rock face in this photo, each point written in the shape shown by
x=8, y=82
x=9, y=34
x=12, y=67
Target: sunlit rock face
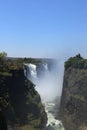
x=73, y=106
x=47, y=77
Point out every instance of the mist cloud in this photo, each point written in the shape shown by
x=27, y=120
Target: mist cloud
x=50, y=85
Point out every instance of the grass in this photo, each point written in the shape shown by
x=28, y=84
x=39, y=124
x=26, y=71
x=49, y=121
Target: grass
x=80, y=97
x=5, y=74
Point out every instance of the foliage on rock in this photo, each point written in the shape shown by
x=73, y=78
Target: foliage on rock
x=76, y=62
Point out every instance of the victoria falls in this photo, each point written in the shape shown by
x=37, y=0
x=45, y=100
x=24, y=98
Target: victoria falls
x=43, y=64
x=43, y=94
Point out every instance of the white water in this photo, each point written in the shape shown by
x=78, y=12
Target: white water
x=47, y=87
x=52, y=123
x=32, y=75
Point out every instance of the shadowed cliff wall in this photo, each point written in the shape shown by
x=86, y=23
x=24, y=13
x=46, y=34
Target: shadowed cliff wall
x=20, y=102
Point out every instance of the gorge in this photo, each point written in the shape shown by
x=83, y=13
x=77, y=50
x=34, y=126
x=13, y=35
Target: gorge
x=23, y=107
x=47, y=82
x=31, y=95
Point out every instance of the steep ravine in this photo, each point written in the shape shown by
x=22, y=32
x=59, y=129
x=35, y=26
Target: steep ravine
x=46, y=85
x=73, y=107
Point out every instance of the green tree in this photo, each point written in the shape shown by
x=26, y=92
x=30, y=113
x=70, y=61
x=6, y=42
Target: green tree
x=3, y=65
x=3, y=54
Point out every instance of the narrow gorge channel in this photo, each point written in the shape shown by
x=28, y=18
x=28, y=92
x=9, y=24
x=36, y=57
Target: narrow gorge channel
x=48, y=81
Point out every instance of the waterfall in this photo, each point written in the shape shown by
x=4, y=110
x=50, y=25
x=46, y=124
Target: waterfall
x=47, y=82
x=30, y=72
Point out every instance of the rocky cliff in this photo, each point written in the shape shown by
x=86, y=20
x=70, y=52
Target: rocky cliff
x=20, y=103
x=73, y=107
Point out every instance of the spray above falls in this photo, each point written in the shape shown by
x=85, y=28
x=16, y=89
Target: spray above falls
x=47, y=77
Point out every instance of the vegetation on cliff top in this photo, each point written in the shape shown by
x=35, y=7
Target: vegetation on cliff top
x=76, y=62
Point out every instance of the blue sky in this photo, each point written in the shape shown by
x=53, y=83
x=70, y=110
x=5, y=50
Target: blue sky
x=43, y=28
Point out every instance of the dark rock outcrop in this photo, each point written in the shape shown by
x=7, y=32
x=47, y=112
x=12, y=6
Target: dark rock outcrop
x=73, y=107
x=3, y=123
x=20, y=102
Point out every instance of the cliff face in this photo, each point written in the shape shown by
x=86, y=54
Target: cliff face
x=73, y=107
x=20, y=102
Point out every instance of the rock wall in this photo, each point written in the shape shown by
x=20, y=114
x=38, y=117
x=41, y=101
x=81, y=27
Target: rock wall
x=73, y=107
x=20, y=102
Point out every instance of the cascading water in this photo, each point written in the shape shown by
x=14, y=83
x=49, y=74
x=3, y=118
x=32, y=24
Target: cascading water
x=47, y=87
x=30, y=72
